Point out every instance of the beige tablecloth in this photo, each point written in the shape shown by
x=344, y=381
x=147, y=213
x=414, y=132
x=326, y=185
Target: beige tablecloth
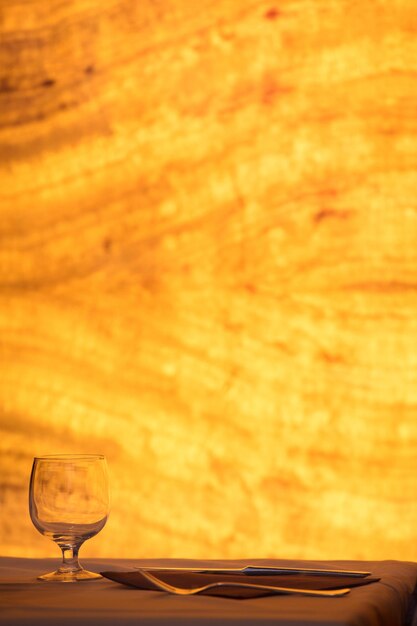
x=25, y=601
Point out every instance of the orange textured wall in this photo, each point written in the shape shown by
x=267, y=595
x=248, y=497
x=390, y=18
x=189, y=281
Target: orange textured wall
x=208, y=271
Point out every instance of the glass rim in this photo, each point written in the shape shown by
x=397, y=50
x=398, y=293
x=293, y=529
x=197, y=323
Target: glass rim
x=68, y=457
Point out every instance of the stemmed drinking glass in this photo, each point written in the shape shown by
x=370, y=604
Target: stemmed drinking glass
x=69, y=503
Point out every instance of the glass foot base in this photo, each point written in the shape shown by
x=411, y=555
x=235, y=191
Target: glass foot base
x=61, y=576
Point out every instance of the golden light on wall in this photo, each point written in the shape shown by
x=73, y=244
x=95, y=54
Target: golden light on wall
x=208, y=271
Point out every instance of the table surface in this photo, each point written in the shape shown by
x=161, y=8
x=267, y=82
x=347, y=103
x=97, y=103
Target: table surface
x=24, y=600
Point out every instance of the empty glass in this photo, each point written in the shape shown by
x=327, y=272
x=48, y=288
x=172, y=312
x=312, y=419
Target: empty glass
x=69, y=503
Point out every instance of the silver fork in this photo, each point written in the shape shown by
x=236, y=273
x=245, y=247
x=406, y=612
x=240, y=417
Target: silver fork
x=181, y=591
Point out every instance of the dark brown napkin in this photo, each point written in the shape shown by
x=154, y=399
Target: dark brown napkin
x=198, y=579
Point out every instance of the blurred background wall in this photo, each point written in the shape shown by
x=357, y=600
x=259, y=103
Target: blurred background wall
x=208, y=271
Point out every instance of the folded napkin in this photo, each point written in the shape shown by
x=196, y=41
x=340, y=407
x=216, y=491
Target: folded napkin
x=197, y=579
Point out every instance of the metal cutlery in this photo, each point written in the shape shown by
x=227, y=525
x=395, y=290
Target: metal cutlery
x=259, y=570
x=181, y=591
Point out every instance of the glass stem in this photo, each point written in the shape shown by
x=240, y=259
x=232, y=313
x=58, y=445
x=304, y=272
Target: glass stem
x=70, y=558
